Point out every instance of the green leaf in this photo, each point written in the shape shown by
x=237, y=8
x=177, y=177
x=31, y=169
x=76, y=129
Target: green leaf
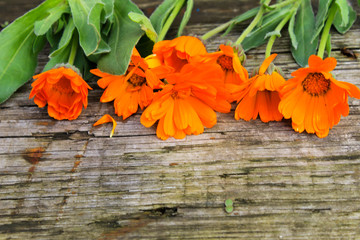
x=65, y=38
x=321, y=16
x=61, y=57
x=186, y=17
x=272, y=33
x=304, y=31
x=109, y=10
x=246, y=15
x=81, y=61
x=328, y=45
x=83, y=64
x=161, y=13
x=269, y=23
x=53, y=38
x=59, y=25
x=343, y=11
x=54, y=14
x=242, y=17
x=229, y=209
x=39, y=43
x=87, y=19
x=106, y=28
x=228, y=203
x=231, y=27
x=123, y=38
x=292, y=35
x=338, y=23
x=17, y=57
x=145, y=25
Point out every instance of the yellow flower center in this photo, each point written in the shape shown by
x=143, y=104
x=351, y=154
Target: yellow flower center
x=316, y=84
x=63, y=86
x=225, y=62
x=136, y=80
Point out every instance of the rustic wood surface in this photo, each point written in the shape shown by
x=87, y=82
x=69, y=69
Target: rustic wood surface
x=69, y=180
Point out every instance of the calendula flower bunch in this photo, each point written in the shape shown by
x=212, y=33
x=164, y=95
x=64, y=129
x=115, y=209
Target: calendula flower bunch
x=82, y=35
x=313, y=99
x=192, y=92
x=178, y=85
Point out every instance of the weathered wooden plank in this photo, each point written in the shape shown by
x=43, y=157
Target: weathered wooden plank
x=69, y=180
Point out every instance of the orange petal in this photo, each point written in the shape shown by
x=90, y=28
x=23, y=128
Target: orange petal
x=315, y=61
x=263, y=102
x=205, y=113
x=227, y=50
x=114, y=89
x=299, y=112
x=274, y=104
x=351, y=89
x=169, y=126
x=288, y=103
x=152, y=79
x=105, y=119
x=328, y=64
x=308, y=121
x=320, y=119
x=40, y=100
x=181, y=114
x=160, y=133
x=264, y=66
x=194, y=121
x=99, y=73
x=298, y=128
x=246, y=108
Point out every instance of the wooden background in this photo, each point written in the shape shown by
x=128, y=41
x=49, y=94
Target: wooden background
x=69, y=180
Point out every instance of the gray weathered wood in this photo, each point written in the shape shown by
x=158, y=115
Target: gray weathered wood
x=69, y=180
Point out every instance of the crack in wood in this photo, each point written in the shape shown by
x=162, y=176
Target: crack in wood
x=162, y=212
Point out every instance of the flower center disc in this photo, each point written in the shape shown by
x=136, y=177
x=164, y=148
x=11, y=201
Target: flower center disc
x=225, y=62
x=136, y=80
x=316, y=84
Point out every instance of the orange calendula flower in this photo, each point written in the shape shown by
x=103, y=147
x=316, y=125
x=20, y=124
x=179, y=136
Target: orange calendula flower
x=228, y=58
x=187, y=103
x=63, y=90
x=260, y=96
x=314, y=99
x=177, y=52
x=105, y=119
x=131, y=90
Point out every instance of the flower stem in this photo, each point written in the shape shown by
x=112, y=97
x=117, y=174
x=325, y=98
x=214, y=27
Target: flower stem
x=249, y=14
x=216, y=30
x=282, y=4
x=253, y=23
x=170, y=20
x=280, y=27
x=74, y=46
x=326, y=30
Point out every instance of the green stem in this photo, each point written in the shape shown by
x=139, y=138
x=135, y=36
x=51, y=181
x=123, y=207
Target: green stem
x=326, y=30
x=281, y=4
x=74, y=46
x=170, y=20
x=279, y=27
x=253, y=23
x=223, y=26
x=216, y=30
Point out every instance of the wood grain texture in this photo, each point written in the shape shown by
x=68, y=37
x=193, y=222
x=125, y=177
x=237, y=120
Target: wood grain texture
x=69, y=180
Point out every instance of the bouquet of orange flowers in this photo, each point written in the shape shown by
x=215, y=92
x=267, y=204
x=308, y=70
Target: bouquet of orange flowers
x=177, y=83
